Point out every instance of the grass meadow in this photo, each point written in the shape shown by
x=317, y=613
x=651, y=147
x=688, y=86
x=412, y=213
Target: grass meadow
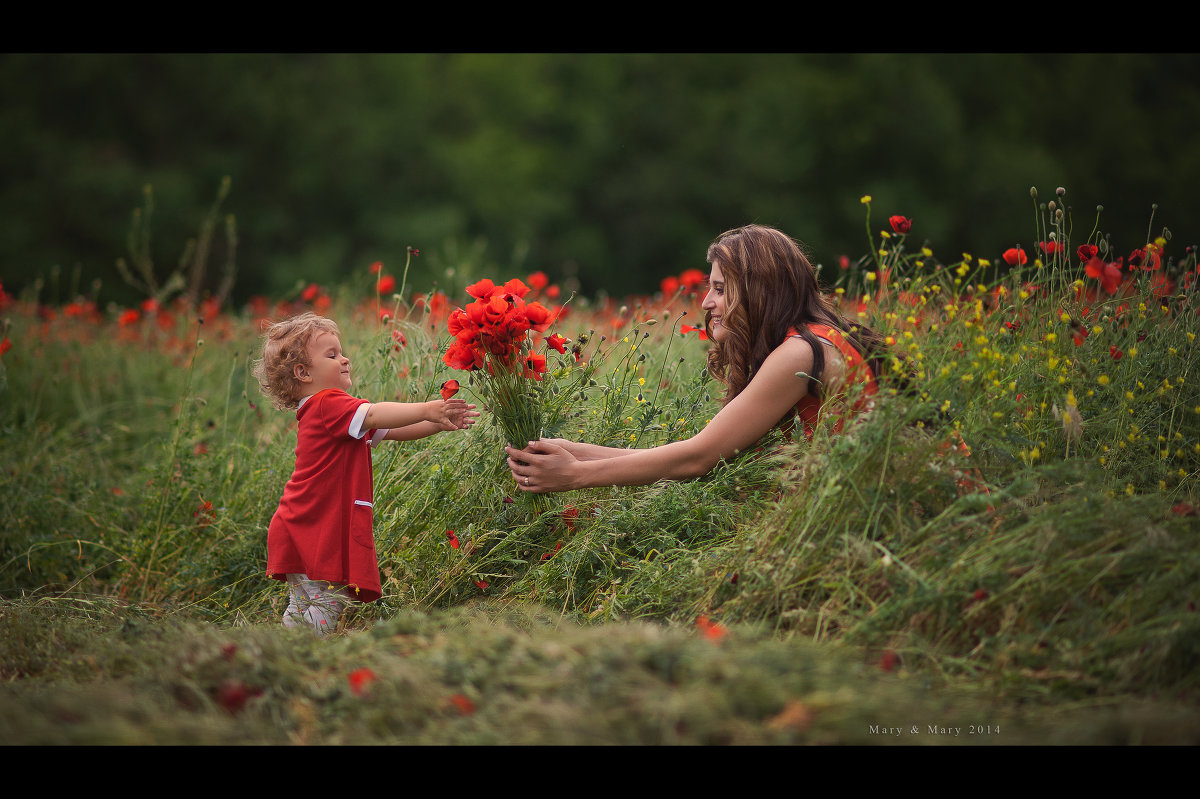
x=1005, y=551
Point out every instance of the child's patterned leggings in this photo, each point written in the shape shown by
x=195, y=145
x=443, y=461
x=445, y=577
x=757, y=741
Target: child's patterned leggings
x=314, y=603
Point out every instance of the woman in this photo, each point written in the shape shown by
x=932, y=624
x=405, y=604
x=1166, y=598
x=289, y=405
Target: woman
x=778, y=346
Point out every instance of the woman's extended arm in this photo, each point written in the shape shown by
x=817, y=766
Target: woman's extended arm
x=549, y=466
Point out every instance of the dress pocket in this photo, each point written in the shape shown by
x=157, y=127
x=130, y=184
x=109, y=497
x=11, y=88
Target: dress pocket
x=362, y=524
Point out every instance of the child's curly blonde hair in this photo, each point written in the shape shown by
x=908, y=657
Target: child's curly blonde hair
x=285, y=344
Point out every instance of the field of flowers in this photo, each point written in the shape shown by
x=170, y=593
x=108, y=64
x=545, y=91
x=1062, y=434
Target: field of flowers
x=1018, y=513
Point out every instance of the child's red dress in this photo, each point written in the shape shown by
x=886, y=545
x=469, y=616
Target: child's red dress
x=323, y=527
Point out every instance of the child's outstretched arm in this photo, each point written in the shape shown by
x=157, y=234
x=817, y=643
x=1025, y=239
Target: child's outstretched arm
x=426, y=418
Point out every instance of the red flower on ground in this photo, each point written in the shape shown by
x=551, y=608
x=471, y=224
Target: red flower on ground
x=710, y=629
x=569, y=515
x=1184, y=509
x=483, y=584
x=462, y=704
x=979, y=594
x=449, y=389
x=889, y=660
x=204, y=514
x=398, y=340
x=453, y=538
x=900, y=224
x=310, y=292
x=5, y=345
x=1014, y=256
x=1115, y=353
x=550, y=554
x=386, y=285
x=128, y=318
x=360, y=680
x=233, y=695
x=557, y=342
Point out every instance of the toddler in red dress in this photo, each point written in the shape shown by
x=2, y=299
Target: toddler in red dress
x=320, y=539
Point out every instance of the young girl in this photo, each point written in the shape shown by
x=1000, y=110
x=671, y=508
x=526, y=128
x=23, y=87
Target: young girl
x=780, y=348
x=320, y=539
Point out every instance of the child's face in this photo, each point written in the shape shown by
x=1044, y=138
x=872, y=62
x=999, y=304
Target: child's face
x=327, y=366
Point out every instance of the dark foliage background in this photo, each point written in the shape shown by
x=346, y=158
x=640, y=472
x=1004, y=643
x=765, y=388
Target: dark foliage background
x=608, y=171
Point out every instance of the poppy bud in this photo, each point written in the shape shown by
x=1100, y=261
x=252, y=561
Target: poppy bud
x=1033, y=192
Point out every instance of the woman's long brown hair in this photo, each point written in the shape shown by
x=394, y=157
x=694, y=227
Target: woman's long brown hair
x=770, y=288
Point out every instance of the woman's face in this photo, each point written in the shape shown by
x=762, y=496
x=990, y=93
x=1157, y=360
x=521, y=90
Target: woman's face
x=714, y=301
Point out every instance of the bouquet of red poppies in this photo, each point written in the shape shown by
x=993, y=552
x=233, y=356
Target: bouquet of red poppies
x=492, y=339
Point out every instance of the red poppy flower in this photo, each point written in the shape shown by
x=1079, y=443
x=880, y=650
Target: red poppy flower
x=462, y=704
x=685, y=329
x=485, y=290
x=1108, y=274
x=690, y=279
x=669, y=285
x=449, y=389
x=1087, y=251
x=550, y=554
x=900, y=224
x=398, y=340
x=710, y=629
x=539, y=316
x=1014, y=256
x=228, y=651
x=1050, y=247
x=128, y=318
x=415, y=252
x=453, y=538
x=310, y=292
x=386, y=285
x=376, y=267
x=1184, y=509
x=979, y=594
x=557, y=342
x=889, y=660
x=569, y=515
x=538, y=281
x=463, y=356
x=360, y=680
x=483, y=584
x=535, y=365
x=204, y=514
x=1115, y=353
x=516, y=288
x=1136, y=257
x=844, y=261
x=232, y=695
x=5, y=345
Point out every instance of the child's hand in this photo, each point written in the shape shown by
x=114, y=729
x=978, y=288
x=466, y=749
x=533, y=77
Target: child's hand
x=454, y=414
